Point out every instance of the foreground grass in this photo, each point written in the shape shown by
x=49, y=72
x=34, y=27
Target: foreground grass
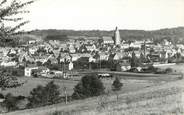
x=160, y=102
x=164, y=99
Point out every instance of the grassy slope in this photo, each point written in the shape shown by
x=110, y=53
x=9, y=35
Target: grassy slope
x=161, y=99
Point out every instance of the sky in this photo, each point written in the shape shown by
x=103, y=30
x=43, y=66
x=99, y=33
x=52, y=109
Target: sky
x=105, y=14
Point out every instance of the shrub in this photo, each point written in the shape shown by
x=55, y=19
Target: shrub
x=10, y=102
x=41, y=96
x=7, y=80
x=168, y=70
x=116, y=85
x=1, y=96
x=89, y=86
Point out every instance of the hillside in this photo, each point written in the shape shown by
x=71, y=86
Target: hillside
x=173, y=34
x=163, y=99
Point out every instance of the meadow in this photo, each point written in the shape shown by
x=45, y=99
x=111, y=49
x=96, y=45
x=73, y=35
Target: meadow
x=30, y=83
x=160, y=99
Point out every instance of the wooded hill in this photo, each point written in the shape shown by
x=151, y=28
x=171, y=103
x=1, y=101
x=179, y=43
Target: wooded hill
x=172, y=34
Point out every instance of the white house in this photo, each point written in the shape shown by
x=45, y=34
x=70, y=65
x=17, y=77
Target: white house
x=28, y=71
x=32, y=50
x=8, y=63
x=124, y=46
x=91, y=59
x=74, y=57
x=104, y=56
x=70, y=66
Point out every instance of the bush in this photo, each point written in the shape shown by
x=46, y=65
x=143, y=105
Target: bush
x=1, y=96
x=89, y=86
x=41, y=96
x=7, y=80
x=116, y=85
x=168, y=70
x=10, y=102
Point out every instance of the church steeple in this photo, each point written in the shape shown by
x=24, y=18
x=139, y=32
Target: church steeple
x=117, y=37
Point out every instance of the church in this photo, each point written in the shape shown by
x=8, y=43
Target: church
x=115, y=39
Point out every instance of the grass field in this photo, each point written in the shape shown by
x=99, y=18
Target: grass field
x=131, y=82
x=161, y=99
x=30, y=83
x=136, y=94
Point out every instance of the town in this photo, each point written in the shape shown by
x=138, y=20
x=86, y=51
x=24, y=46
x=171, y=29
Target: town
x=91, y=57
x=57, y=59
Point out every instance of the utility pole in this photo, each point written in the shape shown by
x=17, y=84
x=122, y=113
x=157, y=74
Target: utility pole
x=66, y=97
x=100, y=64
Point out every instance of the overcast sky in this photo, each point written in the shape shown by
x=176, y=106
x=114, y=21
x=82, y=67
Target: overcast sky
x=105, y=14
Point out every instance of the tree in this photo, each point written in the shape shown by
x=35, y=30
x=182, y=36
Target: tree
x=37, y=97
x=89, y=86
x=7, y=80
x=39, y=63
x=52, y=92
x=116, y=85
x=10, y=11
x=10, y=102
x=134, y=61
x=142, y=58
x=41, y=96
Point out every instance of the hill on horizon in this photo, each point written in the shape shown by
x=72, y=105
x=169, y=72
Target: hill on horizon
x=172, y=34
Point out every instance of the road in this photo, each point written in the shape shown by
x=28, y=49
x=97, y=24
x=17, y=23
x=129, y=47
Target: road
x=140, y=76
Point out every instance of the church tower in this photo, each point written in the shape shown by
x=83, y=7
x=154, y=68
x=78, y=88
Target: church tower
x=117, y=37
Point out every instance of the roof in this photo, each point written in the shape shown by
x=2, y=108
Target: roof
x=31, y=66
x=107, y=38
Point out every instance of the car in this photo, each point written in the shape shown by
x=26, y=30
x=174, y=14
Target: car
x=104, y=75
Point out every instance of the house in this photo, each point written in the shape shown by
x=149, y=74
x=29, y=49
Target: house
x=8, y=63
x=74, y=57
x=124, y=46
x=56, y=73
x=65, y=57
x=104, y=56
x=118, y=56
x=107, y=40
x=70, y=66
x=180, y=46
x=92, y=59
x=31, y=41
x=28, y=70
x=29, y=58
x=32, y=50
x=123, y=67
x=137, y=53
x=72, y=49
x=4, y=51
x=41, y=59
x=52, y=59
x=44, y=71
x=154, y=57
x=12, y=51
